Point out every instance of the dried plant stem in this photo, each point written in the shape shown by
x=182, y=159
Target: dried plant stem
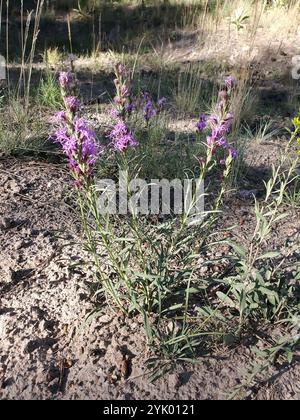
x=70, y=33
x=38, y=13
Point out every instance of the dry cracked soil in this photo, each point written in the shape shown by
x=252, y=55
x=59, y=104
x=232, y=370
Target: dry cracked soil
x=50, y=349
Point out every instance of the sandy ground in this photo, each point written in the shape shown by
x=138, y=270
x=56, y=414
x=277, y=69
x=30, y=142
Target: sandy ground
x=48, y=349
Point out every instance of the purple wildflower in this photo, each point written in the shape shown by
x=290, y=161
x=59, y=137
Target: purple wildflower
x=70, y=146
x=120, y=69
x=65, y=79
x=118, y=100
x=61, y=135
x=72, y=103
x=59, y=118
x=221, y=130
x=77, y=139
x=125, y=91
x=129, y=108
x=222, y=142
x=161, y=103
x=90, y=151
x=213, y=120
x=74, y=166
x=122, y=85
x=80, y=147
x=217, y=137
x=114, y=113
x=67, y=142
x=82, y=129
x=228, y=120
x=122, y=138
x=202, y=123
x=234, y=153
x=149, y=110
x=220, y=124
x=230, y=82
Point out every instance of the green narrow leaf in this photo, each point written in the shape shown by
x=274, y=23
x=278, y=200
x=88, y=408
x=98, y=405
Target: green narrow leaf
x=224, y=298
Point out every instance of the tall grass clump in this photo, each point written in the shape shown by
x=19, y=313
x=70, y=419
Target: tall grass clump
x=49, y=93
x=28, y=43
x=21, y=127
x=21, y=130
x=189, y=94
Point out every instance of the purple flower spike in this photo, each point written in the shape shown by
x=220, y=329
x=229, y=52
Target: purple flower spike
x=125, y=91
x=90, y=151
x=82, y=143
x=230, y=82
x=122, y=138
x=228, y=121
x=129, y=108
x=214, y=120
x=69, y=147
x=77, y=140
x=161, y=103
x=59, y=118
x=121, y=70
x=234, y=153
x=220, y=125
x=222, y=142
x=149, y=111
x=114, y=113
x=61, y=135
x=117, y=100
x=202, y=123
x=68, y=143
x=82, y=129
x=65, y=79
x=72, y=103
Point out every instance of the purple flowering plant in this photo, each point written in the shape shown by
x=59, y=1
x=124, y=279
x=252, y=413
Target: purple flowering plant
x=219, y=125
x=122, y=100
x=66, y=79
x=121, y=136
x=150, y=108
x=74, y=135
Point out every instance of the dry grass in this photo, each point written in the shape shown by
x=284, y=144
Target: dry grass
x=236, y=37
